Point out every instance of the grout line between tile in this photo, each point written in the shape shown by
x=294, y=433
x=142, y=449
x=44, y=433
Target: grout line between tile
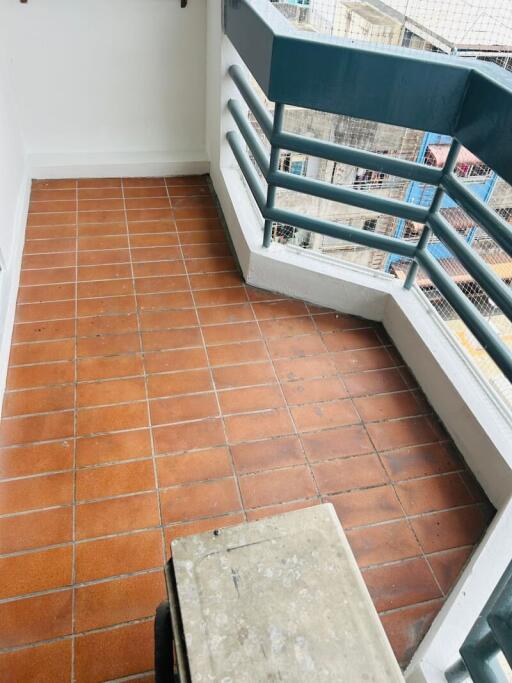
x=185, y=244
x=297, y=432
x=210, y=371
x=75, y=428
x=104, y=629
x=146, y=390
x=392, y=483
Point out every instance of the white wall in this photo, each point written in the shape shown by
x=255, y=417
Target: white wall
x=117, y=86
x=14, y=192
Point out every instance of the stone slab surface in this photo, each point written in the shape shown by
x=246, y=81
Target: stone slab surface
x=280, y=599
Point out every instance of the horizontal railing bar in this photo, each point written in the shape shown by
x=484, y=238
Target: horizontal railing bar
x=404, y=169
x=249, y=135
x=457, y=673
x=409, y=170
x=247, y=168
x=317, y=188
x=475, y=321
x=443, y=94
x=502, y=630
x=357, y=157
x=480, y=647
x=499, y=617
x=260, y=113
x=342, y=232
x=473, y=263
x=480, y=212
x=363, y=200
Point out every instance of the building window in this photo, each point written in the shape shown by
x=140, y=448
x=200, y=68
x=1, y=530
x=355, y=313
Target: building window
x=412, y=230
x=468, y=171
x=297, y=167
x=366, y=177
x=505, y=213
x=468, y=165
x=283, y=233
x=370, y=224
x=292, y=164
x=284, y=163
x=458, y=219
x=408, y=36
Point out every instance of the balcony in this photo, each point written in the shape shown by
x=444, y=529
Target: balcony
x=200, y=330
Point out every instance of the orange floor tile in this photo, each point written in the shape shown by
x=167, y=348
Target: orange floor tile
x=152, y=394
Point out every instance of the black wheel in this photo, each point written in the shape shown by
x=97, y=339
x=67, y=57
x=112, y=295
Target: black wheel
x=164, y=647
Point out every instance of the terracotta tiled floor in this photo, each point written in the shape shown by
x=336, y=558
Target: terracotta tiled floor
x=151, y=394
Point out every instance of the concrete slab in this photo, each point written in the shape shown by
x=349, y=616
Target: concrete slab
x=280, y=599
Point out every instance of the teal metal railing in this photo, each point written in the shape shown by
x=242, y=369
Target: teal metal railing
x=470, y=101
x=490, y=636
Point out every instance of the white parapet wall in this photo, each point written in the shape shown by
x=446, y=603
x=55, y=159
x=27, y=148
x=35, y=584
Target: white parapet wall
x=476, y=420
x=479, y=423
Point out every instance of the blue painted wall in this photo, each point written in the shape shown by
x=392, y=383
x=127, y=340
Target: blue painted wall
x=422, y=195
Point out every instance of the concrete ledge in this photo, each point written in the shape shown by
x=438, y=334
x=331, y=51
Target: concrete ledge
x=320, y=280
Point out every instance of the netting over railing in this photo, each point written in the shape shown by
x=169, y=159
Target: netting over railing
x=480, y=29
x=475, y=28
x=366, y=135
x=469, y=28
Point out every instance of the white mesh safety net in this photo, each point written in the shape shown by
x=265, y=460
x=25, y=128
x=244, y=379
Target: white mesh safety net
x=472, y=29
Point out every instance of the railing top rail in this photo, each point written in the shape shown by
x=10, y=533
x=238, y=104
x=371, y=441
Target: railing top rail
x=461, y=97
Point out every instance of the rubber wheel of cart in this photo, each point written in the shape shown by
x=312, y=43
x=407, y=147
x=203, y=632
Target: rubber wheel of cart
x=164, y=653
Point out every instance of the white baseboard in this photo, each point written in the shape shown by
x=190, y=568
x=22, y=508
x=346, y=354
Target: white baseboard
x=10, y=278
x=143, y=164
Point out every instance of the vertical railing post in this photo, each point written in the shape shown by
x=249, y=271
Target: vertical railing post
x=274, y=166
x=449, y=165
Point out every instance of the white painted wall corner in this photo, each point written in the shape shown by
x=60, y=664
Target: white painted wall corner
x=10, y=277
